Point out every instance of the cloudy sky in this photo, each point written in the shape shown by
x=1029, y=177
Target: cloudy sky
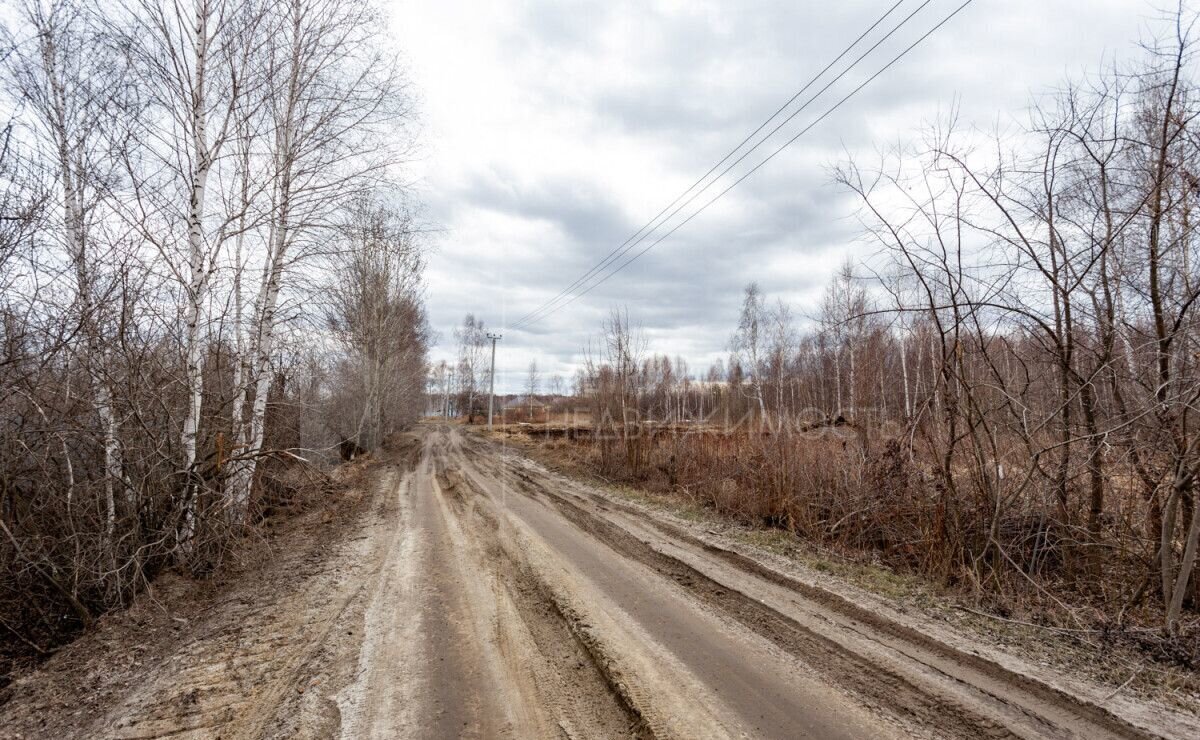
x=554, y=129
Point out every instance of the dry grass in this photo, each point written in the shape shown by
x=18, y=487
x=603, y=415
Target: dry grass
x=869, y=511
x=1131, y=660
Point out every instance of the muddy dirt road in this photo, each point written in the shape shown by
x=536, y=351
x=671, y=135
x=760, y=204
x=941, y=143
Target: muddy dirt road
x=484, y=597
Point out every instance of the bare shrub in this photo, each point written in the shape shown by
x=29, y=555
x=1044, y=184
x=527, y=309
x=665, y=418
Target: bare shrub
x=161, y=164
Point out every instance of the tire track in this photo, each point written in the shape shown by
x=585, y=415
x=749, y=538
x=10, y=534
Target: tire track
x=874, y=685
x=922, y=679
x=586, y=698
x=671, y=653
x=940, y=656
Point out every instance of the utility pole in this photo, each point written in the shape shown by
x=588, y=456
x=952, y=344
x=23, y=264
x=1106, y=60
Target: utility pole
x=492, y=378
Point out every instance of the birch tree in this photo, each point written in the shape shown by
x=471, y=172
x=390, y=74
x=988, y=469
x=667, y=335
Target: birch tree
x=375, y=313
x=195, y=66
x=335, y=110
x=472, y=368
x=749, y=342
x=71, y=85
x=533, y=382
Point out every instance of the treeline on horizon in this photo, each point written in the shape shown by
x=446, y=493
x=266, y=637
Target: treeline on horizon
x=1007, y=398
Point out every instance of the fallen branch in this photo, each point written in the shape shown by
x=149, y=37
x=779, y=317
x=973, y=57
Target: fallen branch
x=999, y=618
x=1122, y=686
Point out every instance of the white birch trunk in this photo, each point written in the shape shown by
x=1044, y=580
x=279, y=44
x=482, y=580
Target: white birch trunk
x=240, y=369
x=851, y=381
x=250, y=441
x=73, y=227
x=198, y=267
x=837, y=381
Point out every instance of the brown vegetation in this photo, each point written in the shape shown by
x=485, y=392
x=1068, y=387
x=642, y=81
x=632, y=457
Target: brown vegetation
x=188, y=192
x=1009, y=405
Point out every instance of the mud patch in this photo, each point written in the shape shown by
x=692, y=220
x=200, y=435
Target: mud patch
x=586, y=698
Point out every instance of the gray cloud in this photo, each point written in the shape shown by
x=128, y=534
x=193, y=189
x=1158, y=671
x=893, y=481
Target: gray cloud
x=584, y=213
x=558, y=128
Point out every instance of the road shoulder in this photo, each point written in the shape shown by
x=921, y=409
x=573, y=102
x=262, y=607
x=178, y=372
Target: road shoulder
x=1081, y=665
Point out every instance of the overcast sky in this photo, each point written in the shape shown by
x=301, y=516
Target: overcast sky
x=552, y=130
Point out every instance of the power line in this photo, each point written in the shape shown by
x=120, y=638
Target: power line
x=754, y=169
x=772, y=155
x=632, y=242
x=612, y=256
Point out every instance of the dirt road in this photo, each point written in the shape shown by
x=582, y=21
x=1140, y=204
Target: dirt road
x=485, y=597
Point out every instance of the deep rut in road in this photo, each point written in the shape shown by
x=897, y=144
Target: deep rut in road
x=570, y=676
x=918, y=680
x=479, y=595
x=853, y=672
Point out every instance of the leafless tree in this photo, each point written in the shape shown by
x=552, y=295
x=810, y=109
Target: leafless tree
x=472, y=369
x=333, y=111
x=533, y=382
x=749, y=342
x=155, y=155
x=1016, y=365
x=376, y=313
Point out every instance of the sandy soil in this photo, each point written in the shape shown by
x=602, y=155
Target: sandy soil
x=479, y=595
